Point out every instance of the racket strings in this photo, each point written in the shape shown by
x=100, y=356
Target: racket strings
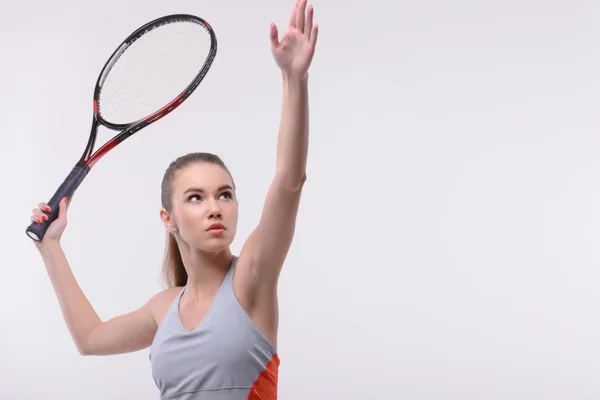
x=153, y=71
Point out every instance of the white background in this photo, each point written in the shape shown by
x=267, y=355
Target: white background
x=447, y=243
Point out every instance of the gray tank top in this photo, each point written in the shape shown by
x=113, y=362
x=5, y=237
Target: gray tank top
x=224, y=357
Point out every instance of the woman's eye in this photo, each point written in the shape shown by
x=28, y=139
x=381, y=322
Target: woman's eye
x=194, y=196
x=227, y=195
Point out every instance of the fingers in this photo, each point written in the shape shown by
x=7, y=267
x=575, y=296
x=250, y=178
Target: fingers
x=38, y=216
x=309, y=22
x=38, y=213
x=44, y=207
x=301, y=15
x=302, y=19
x=62, y=207
x=313, y=36
x=294, y=16
x=273, y=35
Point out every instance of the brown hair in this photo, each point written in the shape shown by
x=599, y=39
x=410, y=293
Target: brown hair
x=173, y=270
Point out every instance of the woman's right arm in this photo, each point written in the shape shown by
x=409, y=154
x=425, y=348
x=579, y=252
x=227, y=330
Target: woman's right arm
x=122, y=334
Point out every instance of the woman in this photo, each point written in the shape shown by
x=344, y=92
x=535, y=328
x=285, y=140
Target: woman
x=213, y=333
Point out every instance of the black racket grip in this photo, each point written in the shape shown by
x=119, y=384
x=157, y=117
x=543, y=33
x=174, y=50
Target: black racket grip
x=66, y=189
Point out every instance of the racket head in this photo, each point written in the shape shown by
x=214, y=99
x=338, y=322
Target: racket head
x=153, y=71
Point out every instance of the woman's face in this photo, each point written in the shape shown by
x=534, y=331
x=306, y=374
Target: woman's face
x=204, y=208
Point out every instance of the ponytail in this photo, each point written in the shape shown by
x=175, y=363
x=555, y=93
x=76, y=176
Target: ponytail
x=174, y=273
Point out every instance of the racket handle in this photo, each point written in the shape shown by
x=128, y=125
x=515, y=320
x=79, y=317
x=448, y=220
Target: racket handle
x=66, y=189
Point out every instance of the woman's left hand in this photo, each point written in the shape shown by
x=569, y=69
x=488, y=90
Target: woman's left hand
x=294, y=52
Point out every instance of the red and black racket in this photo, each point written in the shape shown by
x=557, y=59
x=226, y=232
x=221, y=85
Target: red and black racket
x=149, y=75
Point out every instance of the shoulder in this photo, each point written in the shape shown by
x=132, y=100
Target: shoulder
x=159, y=304
x=166, y=295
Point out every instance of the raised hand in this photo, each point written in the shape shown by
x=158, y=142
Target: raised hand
x=293, y=53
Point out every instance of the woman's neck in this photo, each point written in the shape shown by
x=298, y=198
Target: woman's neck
x=205, y=270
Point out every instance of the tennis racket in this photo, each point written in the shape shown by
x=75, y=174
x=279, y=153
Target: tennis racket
x=149, y=75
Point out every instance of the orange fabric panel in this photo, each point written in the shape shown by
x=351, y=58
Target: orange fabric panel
x=265, y=386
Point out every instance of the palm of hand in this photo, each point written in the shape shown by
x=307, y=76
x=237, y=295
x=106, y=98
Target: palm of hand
x=294, y=54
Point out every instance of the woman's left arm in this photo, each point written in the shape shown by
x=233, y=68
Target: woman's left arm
x=268, y=245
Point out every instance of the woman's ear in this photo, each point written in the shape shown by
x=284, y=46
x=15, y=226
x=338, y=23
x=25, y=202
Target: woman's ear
x=167, y=220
